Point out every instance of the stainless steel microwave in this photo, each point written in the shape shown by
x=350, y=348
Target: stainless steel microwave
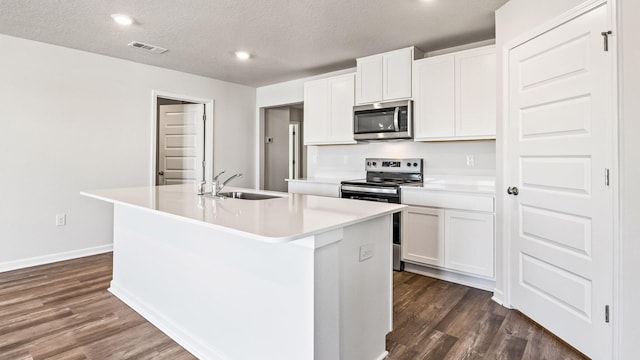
x=383, y=121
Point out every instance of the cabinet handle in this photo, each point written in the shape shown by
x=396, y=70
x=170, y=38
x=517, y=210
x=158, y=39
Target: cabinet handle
x=513, y=191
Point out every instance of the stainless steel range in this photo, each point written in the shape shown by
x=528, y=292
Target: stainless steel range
x=382, y=183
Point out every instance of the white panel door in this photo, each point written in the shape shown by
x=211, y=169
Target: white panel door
x=180, y=143
x=560, y=143
x=423, y=235
x=434, y=91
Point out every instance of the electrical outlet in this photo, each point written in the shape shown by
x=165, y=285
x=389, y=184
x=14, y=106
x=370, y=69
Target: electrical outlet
x=61, y=219
x=471, y=161
x=366, y=252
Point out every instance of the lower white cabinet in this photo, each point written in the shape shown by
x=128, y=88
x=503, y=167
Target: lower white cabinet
x=451, y=239
x=469, y=242
x=314, y=188
x=423, y=235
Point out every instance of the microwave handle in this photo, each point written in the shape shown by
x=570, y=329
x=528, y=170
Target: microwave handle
x=396, y=119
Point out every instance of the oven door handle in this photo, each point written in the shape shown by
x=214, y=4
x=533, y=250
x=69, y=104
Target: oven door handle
x=396, y=119
x=367, y=189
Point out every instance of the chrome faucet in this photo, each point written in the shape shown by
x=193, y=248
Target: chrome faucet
x=219, y=186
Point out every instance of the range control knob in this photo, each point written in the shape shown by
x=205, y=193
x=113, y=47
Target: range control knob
x=374, y=163
x=368, y=163
x=415, y=164
x=408, y=164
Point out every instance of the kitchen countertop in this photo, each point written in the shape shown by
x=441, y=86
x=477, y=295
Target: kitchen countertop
x=283, y=219
x=321, y=180
x=458, y=183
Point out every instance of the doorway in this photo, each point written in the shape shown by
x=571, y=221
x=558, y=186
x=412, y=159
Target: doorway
x=283, y=153
x=183, y=139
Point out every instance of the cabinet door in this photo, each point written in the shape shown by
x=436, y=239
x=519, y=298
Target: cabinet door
x=470, y=245
x=396, y=74
x=422, y=239
x=316, y=113
x=341, y=98
x=369, y=79
x=476, y=93
x=434, y=94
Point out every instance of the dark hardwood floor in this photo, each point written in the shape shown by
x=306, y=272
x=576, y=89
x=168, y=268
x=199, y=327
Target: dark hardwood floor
x=435, y=319
x=64, y=311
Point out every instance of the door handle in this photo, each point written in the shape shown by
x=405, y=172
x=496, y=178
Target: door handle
x=161, y=173
x=513, y=191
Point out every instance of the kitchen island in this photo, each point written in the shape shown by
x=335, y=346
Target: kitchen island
x=293, y=277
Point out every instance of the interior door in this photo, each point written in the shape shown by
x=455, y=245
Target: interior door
x=560, y=145
x=180, y=143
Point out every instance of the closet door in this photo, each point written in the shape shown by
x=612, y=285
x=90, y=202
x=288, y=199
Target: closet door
x=560, y=147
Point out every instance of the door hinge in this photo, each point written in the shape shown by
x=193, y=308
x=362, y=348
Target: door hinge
x=605, y=36
x=606, y=313
x=204, y=117
x=606, y=177
x=203, y=164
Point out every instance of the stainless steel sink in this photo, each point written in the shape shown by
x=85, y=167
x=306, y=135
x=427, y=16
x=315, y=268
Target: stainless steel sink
x=246, y=195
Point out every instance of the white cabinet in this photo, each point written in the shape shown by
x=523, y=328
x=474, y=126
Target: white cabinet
x=455, y=96
x=386, y=76
x=328, y=110
x=314, y=188
x=423, y=235
x=451, y=231
x=469, y=242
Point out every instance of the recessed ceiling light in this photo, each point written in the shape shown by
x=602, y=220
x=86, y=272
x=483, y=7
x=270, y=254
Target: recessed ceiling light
x=242, y=55
x=122, y=19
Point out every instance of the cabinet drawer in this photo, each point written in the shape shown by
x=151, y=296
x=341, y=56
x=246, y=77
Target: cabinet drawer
x=310, y=188
x=448, y=200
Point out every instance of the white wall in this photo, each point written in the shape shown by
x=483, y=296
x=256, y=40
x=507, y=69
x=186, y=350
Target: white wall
x=514, y=19
x=630, y=173
x=73, y=121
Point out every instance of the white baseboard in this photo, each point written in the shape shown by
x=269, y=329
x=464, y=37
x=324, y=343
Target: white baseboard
x=175, y=332
x=51, y=258
x=467, y=280
x=498, y=297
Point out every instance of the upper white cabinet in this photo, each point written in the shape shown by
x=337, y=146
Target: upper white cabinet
x=328, y=110
x=385, y=76
x=455, y=96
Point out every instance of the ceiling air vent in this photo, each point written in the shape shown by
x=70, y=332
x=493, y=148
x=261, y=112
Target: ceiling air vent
x=153, y=49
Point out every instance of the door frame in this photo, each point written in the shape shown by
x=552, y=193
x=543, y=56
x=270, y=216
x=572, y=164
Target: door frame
x=208, y=131
x=504, y=202
x=262, y=118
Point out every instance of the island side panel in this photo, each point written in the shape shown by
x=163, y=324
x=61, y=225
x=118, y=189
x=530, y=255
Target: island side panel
x=366, y=286
x=219, y=295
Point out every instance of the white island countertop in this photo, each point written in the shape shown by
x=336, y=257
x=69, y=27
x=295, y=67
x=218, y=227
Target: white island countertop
x=283, y=219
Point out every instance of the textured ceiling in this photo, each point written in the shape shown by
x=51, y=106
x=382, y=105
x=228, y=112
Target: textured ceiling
x=288, y=39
